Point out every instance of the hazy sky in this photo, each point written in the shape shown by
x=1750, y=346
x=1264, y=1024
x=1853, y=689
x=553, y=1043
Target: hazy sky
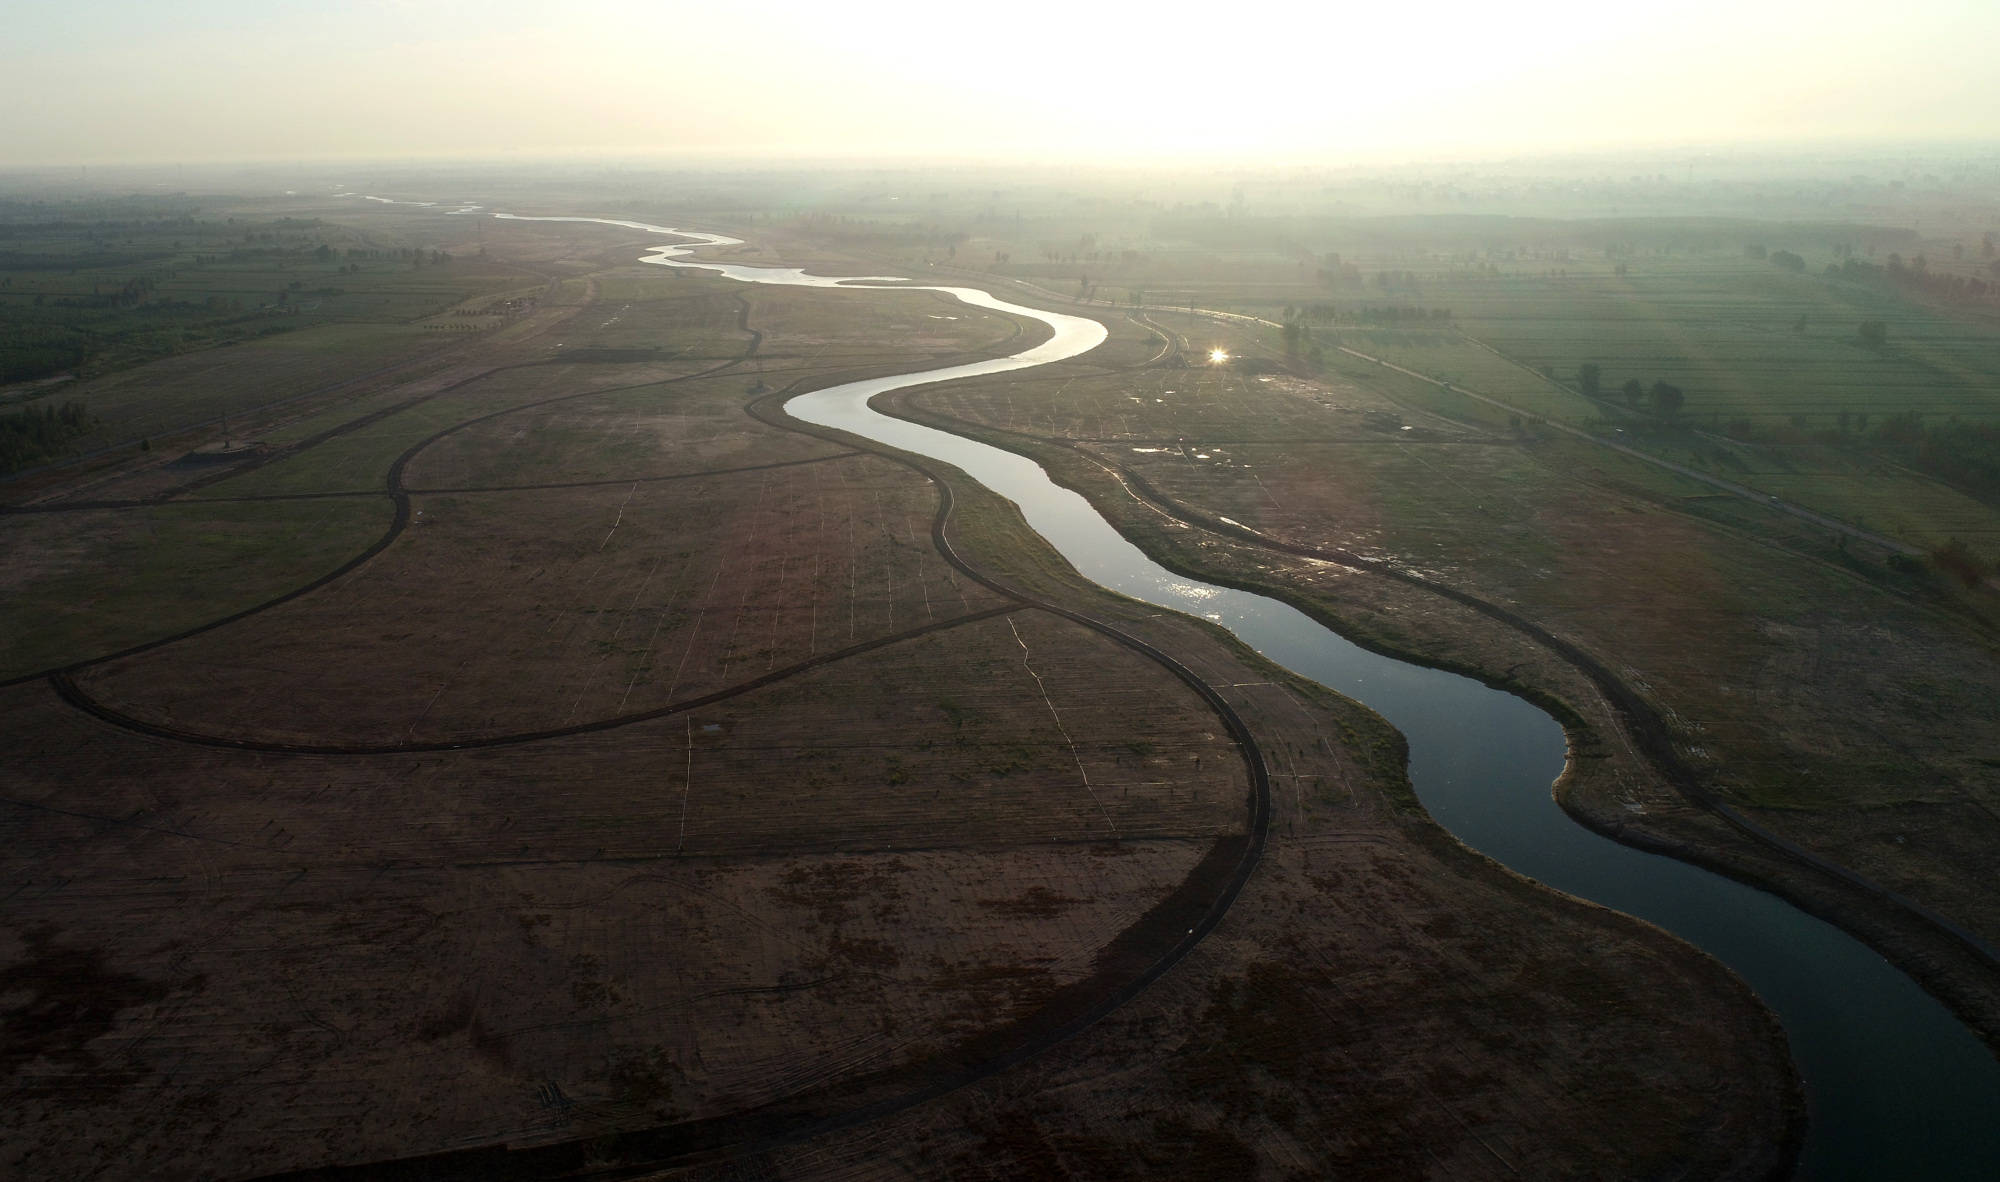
x=99, y=81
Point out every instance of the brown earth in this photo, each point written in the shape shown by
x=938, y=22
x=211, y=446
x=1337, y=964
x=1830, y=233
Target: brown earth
x=864, y=848
x=1796, y=686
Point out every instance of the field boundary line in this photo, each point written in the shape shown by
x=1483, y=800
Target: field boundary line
x=502, y=488
x=1641, y=721
x=67, y=688
x=1729, y=486
x=769, y=1124
x=398, y=495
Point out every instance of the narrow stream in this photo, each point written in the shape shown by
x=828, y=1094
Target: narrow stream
x=1897, y=1087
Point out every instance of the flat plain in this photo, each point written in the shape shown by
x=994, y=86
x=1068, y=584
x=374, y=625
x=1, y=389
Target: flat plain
x=555, y=758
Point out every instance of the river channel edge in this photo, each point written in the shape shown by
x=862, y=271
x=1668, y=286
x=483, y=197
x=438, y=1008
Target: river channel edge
x=772, y=409
x=1953, y=965
x=1579, y=733
x=1797, y=1139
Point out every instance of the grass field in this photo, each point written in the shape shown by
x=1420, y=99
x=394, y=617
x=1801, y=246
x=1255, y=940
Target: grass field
x=82, y=584
x=1779, y=388
x=304, y=304
x=1781, y=392
x=237, y=379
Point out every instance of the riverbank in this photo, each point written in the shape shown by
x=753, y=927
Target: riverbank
x=1369, y=942
x=1779, y=979
x=1624, y=780
x=614, y=582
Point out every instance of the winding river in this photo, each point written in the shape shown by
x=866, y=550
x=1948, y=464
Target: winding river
x=1896, y=1086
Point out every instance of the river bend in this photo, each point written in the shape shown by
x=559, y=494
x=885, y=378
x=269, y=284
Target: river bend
x=1896, y=1086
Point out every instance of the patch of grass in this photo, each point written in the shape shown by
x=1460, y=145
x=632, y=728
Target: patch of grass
x=80, y=585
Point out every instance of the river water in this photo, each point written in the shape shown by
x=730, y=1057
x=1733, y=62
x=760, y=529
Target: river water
x=1896, y=1086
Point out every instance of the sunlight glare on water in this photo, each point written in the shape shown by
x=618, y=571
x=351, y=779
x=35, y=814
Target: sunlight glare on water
x=1897, y=1087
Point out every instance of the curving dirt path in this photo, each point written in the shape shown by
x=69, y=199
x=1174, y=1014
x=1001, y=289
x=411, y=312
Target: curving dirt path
x=1642, y=722
x=1188, y=916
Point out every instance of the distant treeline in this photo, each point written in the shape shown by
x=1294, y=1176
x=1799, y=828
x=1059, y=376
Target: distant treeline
x=52, y=333
x=39, y=433
x=1369, y=314
x=322, y=253
x=126, y=319
x=882, y=235
x=1964, y=454
x=1498, y=235
x=98, y=213
x=1917, y=276
x=20, y=260
x=1393, y=314
x=1914, y=276
x=29, y=351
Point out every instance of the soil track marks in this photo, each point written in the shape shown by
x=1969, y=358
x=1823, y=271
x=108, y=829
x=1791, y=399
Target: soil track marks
x=1188, y=774
x=1955, y=965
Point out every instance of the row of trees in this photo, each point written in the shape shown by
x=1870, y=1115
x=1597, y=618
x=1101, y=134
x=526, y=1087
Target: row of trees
x=1917, y=276
x=1960, y=453
x=1369, y=314
x=30, y=351
x=1322, y=313
x=1963, y=454
x=1663, y=398
x=38, y=433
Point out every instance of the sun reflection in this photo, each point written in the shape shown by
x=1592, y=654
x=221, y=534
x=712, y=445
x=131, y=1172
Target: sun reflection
x=1217, y=356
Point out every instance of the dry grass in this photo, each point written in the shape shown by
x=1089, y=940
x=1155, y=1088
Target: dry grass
x=1809, y=683
x=817, y=892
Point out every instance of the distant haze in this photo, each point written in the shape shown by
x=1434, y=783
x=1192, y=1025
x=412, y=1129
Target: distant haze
x=99, y=81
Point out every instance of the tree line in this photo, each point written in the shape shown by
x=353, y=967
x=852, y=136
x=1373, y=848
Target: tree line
x=1663, y=398
x=37, y=433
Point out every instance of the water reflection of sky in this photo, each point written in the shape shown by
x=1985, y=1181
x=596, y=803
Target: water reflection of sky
x=1898, y=1087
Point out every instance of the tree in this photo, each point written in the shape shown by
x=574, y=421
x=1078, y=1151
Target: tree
x=1632, y=390
x=1956, y=559
x=1874, y=333
x=1667, y=399
x=1587, y=376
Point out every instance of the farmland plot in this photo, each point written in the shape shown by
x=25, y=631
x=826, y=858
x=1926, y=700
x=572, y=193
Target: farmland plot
x=350, y=959
x=644, y=433
x=175, y=566
x=1813, y=692
x=536, y=609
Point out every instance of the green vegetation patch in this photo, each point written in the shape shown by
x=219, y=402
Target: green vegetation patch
x=87, y=288
x=180, y=392
x=40, y=433
x=74, y=586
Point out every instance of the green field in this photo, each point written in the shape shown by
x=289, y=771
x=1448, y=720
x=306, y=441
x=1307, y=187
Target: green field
x=78, y=585
x=90, y=290
x=1780, y=390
